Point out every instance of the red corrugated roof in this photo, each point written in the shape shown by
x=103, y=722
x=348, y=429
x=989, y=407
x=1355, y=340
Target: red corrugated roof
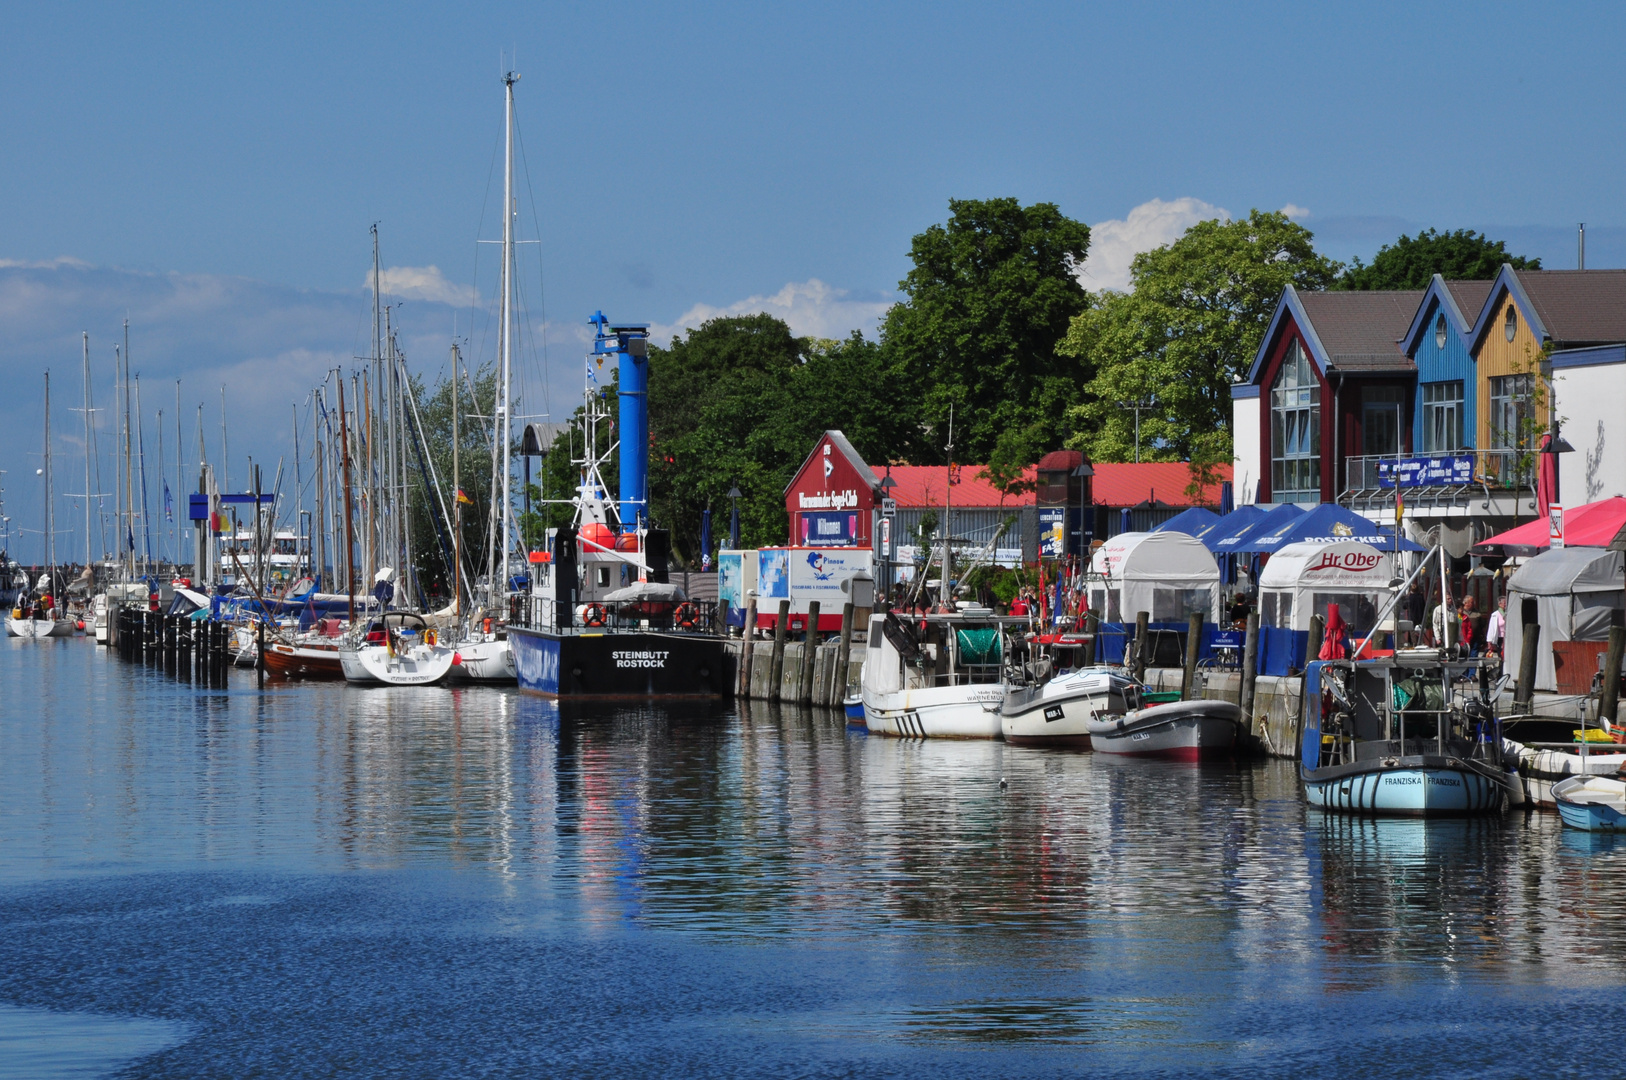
x=1116, y=484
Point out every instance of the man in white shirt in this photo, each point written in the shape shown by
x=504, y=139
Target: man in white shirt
x=1496, y=628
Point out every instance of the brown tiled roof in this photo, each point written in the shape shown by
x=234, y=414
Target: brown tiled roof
x=1362, y=330
x=1470, y=297
x=1578, y=307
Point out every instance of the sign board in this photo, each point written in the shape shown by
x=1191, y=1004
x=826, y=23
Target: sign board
x=1055, y=523
x=886, y=536
x=773, y=575
x=818, y=574
x=1555, y=526
x=889, y=507
x=829, y=528
x=1449, y=470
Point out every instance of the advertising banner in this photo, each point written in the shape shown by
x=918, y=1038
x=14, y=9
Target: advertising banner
x=773, y=576
x=1056, y=525
x=819, y=575
x=1448, y=470
x=829, y=528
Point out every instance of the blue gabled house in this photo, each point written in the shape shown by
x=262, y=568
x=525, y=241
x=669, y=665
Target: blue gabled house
x=1439, y=342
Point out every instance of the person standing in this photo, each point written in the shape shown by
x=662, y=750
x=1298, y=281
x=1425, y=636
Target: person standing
x=1496, y=628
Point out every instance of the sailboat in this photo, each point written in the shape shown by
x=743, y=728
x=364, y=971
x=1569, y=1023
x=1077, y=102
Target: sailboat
x=38, y=617
x=484, y=652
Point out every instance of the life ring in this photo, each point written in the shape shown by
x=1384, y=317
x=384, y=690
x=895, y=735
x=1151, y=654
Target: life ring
x=430, y=638
x=594, y=615
x=686, y=615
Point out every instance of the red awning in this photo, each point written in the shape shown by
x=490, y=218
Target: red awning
x=1592, y=525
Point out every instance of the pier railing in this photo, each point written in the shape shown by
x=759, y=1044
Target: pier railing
x=693, y=616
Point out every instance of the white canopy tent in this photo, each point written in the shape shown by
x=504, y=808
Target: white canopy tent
x=1303, y=579
x=1168, y=574
x=1576, y=592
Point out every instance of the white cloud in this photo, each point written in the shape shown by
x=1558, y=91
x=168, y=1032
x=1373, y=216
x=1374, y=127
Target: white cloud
x=421, y=283
x=812, y=308
x=1294, y=212
x=1114, y=244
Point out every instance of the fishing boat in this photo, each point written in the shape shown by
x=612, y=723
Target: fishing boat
x=1412, y=734
x=1543, y=765
x=1174, y=731
x=938, y=675
x=400, y=649
x=1057, y=711
x=1592, y=803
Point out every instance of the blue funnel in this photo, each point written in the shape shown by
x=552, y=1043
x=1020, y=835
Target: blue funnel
x=631, y=345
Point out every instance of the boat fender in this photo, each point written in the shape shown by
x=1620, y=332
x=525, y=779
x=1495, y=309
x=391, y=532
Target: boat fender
x=457, y=659
x=593, y=615
x=686, y=615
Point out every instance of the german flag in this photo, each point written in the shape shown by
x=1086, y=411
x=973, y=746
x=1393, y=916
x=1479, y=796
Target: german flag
x=463, y=498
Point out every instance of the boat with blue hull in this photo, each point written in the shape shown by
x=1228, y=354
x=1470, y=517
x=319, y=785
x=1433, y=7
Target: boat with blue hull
x=1592, y=803
x=1411, y=736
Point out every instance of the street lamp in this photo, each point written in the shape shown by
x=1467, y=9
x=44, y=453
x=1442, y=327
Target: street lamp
x=887, y=484
x=1137, y=405
x=734, y=519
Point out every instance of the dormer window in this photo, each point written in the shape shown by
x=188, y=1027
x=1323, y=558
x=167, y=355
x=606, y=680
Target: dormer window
x=1439, y=331
x=1512, y=325
x=1295, y=430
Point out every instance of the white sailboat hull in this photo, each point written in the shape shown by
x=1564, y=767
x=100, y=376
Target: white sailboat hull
x=39, y=628
x=485, y=661
x=1542, y=769
x=422, y=665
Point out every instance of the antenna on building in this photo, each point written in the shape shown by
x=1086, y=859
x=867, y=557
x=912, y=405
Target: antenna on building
x=1580, y=247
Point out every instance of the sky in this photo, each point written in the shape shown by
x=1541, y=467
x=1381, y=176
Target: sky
x=212, y=172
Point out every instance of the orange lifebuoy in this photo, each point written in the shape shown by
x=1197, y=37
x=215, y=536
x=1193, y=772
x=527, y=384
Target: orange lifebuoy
x=594, y=615
x=686, y=615
x=430, y=638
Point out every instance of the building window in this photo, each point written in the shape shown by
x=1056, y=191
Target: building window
x=1295, y=430
x=1442, y=417
x=1512, y=323
x=1512, y=412
x=1439, y=331
x=1380, y=419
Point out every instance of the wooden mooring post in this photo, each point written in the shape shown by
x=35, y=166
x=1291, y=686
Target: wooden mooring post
x=810, y=645
x=844, y=653
x=776, y=665
x=743, y=689
x=1609, y=695
x=1194, y=645
x=1250, y=666
x=1142, y=618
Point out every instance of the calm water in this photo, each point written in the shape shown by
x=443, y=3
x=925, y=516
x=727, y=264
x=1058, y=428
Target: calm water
x=321, y=880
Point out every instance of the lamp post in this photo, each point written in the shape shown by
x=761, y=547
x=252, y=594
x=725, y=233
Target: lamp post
x=1084, y=472
x=1137, y=405
x=734, y=519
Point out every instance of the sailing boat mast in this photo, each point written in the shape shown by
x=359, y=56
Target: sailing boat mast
x=128, y=539
x=457, y=505
x=87, y=448
x=50, y=491
x=503, y=418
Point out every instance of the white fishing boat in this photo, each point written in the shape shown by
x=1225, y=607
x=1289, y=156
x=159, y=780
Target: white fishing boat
x=400, y=649
x=1174, y=731
x=1592, y=803
x=1544, y=765
x=1056, y=712
x=936, y=676
x=1406, y=735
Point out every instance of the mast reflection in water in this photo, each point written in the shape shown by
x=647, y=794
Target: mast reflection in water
x=445, y=882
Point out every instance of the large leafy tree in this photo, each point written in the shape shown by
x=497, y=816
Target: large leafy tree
x=991, y=293
x=1412, y=261
x=1189, y=327
x=432, y=511
x=739, y=402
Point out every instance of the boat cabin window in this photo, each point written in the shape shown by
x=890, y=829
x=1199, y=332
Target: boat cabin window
x=1177, y=605
x=1105, y=602
x=1358, y=609
x=603, y=573
x=1276, y=609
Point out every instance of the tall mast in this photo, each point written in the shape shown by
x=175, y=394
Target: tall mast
x=457, y=504
x=504, y=417
x=50, y=502
x=128, y=539
x=141, y=450
x=375, y=400
x=349, y=534
x=180, y=472
x=225, y=456
x=87, y=447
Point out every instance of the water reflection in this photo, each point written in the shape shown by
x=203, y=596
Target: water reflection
x=768, y=820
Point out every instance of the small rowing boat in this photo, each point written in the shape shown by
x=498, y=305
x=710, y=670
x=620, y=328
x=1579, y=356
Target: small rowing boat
x=1592, y=803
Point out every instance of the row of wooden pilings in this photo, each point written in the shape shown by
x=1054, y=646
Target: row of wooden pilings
x=190, y=651
x=808, y=672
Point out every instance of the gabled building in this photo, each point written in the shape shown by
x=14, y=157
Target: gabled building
x=1330, y=382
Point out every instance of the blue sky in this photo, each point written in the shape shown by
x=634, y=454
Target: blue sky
x=213, y=170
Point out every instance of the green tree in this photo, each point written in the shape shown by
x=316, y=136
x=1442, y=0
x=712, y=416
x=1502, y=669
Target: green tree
x=1412, y=261
x=991, y=293
x=739, y=402
x=474, y=477
x=1190, y=326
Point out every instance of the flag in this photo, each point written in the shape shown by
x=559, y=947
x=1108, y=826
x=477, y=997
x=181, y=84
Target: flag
x=462, y=498
x=169, y=504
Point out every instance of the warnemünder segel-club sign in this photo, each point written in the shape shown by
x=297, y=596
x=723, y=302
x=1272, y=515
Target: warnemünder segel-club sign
x=1446, y=471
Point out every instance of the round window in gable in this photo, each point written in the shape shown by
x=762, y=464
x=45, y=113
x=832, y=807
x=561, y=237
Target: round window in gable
x=1512, y=323
x=1439, y=332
